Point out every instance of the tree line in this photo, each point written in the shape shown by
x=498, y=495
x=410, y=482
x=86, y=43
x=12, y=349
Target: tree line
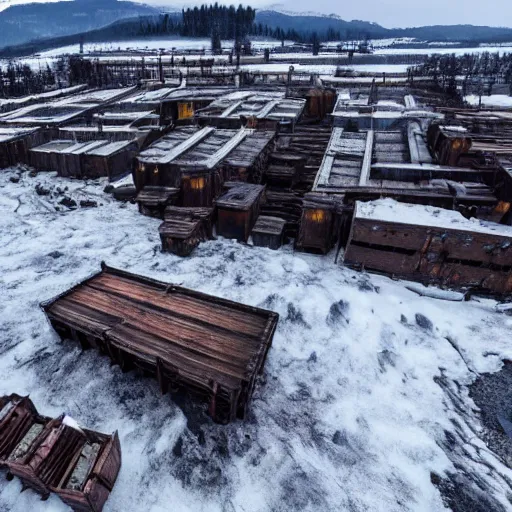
x=21, y=80
x=477, y=73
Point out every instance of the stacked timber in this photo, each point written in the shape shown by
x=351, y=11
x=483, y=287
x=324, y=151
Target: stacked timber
x=152, y=201
x=55, y=455
x=285, y=204
x=237, y=210
x=430, y=245
x=210, y=347
x=309, y=142
x=205, y=215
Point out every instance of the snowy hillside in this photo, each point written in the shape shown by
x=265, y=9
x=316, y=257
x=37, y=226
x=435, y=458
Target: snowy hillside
x=362, y=405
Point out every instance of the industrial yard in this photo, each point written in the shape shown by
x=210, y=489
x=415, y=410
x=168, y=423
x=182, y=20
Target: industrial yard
x=279, y=288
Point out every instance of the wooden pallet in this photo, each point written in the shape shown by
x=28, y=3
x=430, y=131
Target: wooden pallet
x=210, y=347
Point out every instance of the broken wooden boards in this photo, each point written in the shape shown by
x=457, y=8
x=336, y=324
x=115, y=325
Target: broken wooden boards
x=55, y=455
x=430, y=245
x=211, y=347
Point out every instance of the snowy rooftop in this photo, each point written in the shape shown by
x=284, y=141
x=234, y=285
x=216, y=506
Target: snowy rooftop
x=389, y=210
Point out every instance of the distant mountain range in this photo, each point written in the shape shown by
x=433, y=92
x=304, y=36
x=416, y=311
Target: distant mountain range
x=47, y=25
x=27, y=22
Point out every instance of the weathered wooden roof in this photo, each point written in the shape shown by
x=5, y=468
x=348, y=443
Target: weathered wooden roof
x=206, y=148
x=260, y=104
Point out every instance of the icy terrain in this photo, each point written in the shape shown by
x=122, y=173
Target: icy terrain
x=363, y=401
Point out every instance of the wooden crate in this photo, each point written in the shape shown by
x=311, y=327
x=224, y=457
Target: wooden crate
x=318, y=230
x=15, y=144
x=181, y=236
x=48, y=455
x=199, y=187
x=268, y=232
x=435, y=246
x=152, y=201
x=237, y=210
x=211, y=347
x=448, y=143
x=205, y=215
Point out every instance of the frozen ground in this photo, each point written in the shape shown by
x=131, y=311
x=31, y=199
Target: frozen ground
x=495, y=100
x=362, y=405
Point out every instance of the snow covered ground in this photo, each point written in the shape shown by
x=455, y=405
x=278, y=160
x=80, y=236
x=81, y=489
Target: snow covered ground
x=364, y=395
x=495, y=100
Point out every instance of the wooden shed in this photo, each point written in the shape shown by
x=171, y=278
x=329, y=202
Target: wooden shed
x=211, y=347
x=53, y=455
x=199, y=161
x=15, y=143
x=430, y=245
x=261, y=109
x=112, y=160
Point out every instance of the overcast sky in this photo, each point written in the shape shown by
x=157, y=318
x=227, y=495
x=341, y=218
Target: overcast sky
x=389, y=13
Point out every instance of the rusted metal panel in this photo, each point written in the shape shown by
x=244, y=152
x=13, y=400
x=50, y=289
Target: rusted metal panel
x=237, y=210
x=209, y=346
x=48, y=455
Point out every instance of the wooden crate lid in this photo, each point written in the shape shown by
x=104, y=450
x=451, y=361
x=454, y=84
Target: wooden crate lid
x=269, y=225
x=240, y=197
x=179, y=228
x=156, y=195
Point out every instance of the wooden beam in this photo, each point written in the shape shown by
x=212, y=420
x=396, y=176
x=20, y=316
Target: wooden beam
x=367, y=160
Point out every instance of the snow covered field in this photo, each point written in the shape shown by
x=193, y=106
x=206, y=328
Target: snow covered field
x=495, y=100
x=347, y=415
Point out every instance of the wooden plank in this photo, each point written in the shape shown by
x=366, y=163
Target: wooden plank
x=367, y=160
